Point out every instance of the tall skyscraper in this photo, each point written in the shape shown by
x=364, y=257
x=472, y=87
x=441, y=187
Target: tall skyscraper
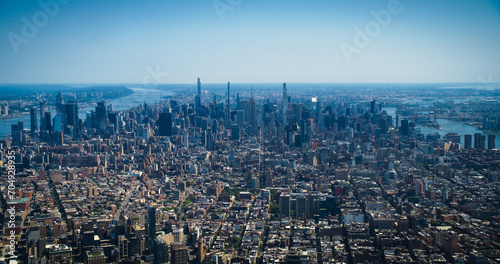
x=252, y=112
x=479, y=141
x=285, y=205
x=228, y=94
x=467, y=141
x=198, y=99
x=228, y=108
x=151, y=227
x=405, y=128
x=71, y=110
x=331, y=204
x=34, y=122
x=301, y=206
x=58, y=123
x=209, y=141
x=491, y=141
x=42, y=117
x=383, y=124
x=165, y=124
x=237, y=101
x=48, y=122
x=60, y=103
x=113, y=119
x=101, y=118
x=20, y=125
x=285, y=103
x=16, y=133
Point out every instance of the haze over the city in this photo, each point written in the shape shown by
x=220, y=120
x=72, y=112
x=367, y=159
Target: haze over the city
x=249, y=131
x=249, y=41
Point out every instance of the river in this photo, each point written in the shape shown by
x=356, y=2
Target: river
x=140, y=95
x=450, y=126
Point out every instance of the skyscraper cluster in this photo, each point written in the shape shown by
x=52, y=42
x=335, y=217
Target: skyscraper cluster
x=256, y=174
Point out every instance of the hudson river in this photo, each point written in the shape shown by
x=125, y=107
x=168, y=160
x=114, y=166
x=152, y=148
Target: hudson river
x=140, y=95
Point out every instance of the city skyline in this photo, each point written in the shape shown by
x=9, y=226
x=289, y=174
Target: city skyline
x=250, y=42
x=249, y=131
x=191, y=179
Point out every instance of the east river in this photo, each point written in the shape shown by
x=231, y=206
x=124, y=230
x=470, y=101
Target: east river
x=450, y=126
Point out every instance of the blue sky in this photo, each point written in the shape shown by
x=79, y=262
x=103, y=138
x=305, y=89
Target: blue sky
x=124, y=41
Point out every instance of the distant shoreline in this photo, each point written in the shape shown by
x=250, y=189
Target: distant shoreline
x=14, y=116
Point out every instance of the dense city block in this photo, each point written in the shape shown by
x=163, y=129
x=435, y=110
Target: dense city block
x=255, y=174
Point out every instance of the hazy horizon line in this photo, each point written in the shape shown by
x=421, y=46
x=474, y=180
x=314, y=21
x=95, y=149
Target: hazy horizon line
x=194, y=83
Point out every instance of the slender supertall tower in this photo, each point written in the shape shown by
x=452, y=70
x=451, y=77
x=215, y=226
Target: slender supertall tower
x=199, y=88
x=285, y=103
x=228, y=110
x=198, y=98
x=238, y=101
x=252, y=112
x=228, y=94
